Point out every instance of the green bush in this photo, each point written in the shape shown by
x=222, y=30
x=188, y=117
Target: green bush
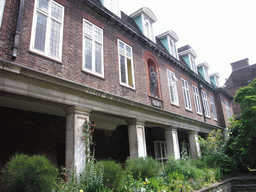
x=113, y=174
x=143, y=167
x=91, y=179
x=29, y=173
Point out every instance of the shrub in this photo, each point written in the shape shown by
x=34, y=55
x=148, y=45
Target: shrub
x=143, y=167
x=29, y=173
x=113, y=174
x=91, y=179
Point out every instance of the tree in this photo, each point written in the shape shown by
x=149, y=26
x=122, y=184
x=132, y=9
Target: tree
x=241, y=145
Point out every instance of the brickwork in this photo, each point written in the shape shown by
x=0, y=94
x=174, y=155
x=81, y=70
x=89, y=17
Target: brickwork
x=70, y=68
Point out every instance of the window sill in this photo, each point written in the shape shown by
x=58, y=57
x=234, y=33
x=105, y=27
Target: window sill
x=200, y=114
x=45, y=56
x=126, y=86
x=189, y=110
x=94, y=74
x=215, y=120
x=175, y=105
x=208, y=117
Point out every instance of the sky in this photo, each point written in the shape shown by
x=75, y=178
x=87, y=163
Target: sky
x=219, y=31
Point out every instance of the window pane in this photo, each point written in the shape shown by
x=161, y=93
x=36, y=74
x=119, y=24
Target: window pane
x=98, y=53
x=98, y=35
x=128, y=52
x=40, y=32
x=121, y=48
x=158, y=150
x=129, y=68
x=88, y=53
x=56, y=11
x=43, y=5
x=122, y=65
x=55, y=38
x=87, y=29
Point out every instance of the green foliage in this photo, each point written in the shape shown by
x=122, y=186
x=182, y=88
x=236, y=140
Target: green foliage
x=91, y=178
x=143, y=167
x=241, y=144
x=88, y=129
x=29, y=173
x=113, y=174
x=67, y=181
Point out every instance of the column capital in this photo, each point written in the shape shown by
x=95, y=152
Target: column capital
x=135, y=122
x=193, y=132
x=171, y=128
x=77, y=110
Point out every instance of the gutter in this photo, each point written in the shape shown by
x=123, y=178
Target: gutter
x=17, y=31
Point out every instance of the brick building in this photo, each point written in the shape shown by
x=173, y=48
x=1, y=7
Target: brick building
x=65, y=61
x=242, y=74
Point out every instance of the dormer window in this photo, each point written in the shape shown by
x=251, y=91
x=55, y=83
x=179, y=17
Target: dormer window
x=203, y=70
x=214, y=78
x=148, y=28
x=169, y=39
x=188, y=55
x=193, y=64
x=144, y=18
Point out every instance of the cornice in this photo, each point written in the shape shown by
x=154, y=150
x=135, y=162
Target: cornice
x=68, y=84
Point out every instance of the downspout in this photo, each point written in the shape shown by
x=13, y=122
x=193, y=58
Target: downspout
x=200, y=86
x=17, y=31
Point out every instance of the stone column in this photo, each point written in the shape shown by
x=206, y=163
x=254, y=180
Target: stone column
x=172, y=142
x=137, y=139
x=194, y=145
x=75, y=148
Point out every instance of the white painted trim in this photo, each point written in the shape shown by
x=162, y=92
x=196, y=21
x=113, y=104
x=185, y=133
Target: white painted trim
x=147, y=12
x=48, y=30
x=2, y=5
x=133, y=76
x=93, y=51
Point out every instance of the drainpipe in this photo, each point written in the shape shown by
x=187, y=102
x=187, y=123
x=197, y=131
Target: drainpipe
x=200, y=86
x=17, y=31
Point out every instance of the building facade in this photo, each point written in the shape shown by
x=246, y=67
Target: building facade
x=242, y=74
x=65, y=61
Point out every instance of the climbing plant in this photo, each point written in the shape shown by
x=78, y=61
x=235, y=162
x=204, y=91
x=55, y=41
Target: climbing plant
x=88, y=129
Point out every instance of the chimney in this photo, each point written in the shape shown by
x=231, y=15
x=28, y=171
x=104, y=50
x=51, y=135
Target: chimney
x=239, y=64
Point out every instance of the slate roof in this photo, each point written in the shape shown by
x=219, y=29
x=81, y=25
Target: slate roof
x=242, y=76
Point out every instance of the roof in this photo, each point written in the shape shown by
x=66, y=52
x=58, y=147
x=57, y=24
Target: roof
x=147, y=12
x=242, y=76
x=127, y=24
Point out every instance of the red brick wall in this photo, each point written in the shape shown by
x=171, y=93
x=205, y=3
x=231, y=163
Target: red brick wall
x=71, y=66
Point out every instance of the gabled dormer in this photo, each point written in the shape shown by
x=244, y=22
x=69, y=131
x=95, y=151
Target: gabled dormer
x=203, y=71
x=169, y=39
x=144, y=18
x=214, y=78
x=112, y=5
x=188, y=55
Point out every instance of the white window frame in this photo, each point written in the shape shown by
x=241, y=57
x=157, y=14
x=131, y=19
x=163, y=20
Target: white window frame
x=147, y=28
x=173, y=49
x=192, y=63
x=197, y=100
x=227, y=109
x=126, y=56
x=186, y=95
x=47, y=42
x=213, y=108
x=163, y=151
x=205, y=104
x=2, y=5
x=172, y=82
x=94, y=41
